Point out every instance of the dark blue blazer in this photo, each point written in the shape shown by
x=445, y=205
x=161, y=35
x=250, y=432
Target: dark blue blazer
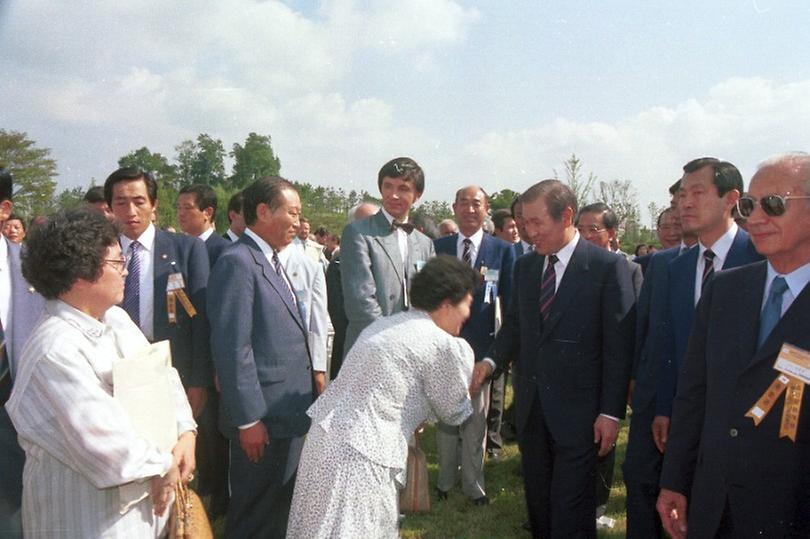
x=715, y=455
x=259, y=344
x=644, y=261
x=215, y=244
x=189, y=337
x=577, y=362
x=493, y=253
x=680, y=305
x=650, y=317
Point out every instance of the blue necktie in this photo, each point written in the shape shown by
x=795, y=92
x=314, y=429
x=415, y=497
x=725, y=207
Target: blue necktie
x=132, y=285
x=773, y=309
x=281, y=273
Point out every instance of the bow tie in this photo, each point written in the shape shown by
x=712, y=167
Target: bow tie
x=406, y=227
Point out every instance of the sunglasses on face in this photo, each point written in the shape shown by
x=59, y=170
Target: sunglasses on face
x=773, y=205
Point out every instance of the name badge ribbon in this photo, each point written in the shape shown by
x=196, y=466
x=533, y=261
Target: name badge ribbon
x=175, y=291
x=491, y=288
x=794, y=366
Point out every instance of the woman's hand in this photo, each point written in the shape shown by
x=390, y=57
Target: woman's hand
x=183, y=453
x=163, y=487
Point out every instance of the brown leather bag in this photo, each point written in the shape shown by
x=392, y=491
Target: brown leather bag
x=415, y=497
x=189, y=520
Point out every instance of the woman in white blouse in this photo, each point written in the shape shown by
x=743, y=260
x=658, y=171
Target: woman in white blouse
x=79, y=442
x=403, y=370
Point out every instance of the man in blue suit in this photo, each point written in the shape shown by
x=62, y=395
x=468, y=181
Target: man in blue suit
x=741, y=477
x=709, y=190
x=20, y=308
x=196, y=215
x=263, y=361
x=565, y=334
x=494, y=259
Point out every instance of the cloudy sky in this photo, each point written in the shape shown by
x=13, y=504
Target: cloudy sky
x=497, y=93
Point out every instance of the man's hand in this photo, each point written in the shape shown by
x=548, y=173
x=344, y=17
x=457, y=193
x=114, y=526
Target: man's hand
x=196, y=398
x=481, y=372
x=320, y=381
x=163, y=487
x=660, y=432
x=671, y=507
x=253, y=441
x=605, y=432
x=183, y=453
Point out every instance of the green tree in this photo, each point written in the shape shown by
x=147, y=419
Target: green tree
x=621, y=196
x=254, y=160
x=33, y=171
x=201, y=161
x=575, y=178
x=502, y=199
x=165, y=173
x=69, y=198
x=437, y=210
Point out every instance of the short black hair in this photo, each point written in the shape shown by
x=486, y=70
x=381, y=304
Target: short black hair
x=17, y=217
x=204, y=196
x=322, y=231
x=95, y=194
x=6, y=184
x=726, y=176
x=128, y=174
x=443, y=278
x=405, y=168
x=235, y=204
x=609, y=218
x=558, y=197
x=499, y=217
x=675, y=187
x=265, y=190
x=69, y=246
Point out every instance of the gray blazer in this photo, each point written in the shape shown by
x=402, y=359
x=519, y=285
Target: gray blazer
x=373, y=273
x=309, y=284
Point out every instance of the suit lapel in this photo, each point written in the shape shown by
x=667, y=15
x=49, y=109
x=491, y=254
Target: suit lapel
x=747, y=311
x=738, y=252
x=483, y=251
x=163, y=254
x=530, y=288
x=570, y=283
x=273, y=278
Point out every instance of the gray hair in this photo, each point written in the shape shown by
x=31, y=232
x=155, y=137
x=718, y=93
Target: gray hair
x=797, y=162
x=369, y=206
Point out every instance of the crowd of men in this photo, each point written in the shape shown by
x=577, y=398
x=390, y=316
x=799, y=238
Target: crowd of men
x=686, y=336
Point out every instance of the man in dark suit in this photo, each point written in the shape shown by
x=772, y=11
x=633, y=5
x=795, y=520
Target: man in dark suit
x=599, y=224
x=20, y=308
x=741, y=478
x=161, y=264
x=334, y=294
x=263, y=362
x=493, y=258
x=380, y=254
x=236, y=219
x=708, y=191
x=196, y=214
x=668, y=229
x=564, y=333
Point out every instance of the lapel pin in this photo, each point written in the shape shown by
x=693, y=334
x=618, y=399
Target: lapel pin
x=164, y=256
x=31, y=290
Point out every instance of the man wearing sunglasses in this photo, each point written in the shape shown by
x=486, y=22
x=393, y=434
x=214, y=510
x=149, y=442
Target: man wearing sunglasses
x=746, y=479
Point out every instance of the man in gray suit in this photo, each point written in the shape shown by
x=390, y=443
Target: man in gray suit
x=381, y=253
x=20, y=308
x=260, y=349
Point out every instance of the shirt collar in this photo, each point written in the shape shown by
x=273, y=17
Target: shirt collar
x=264, y=247
x=83, y=322
x=475, y=238
x=720, y=247
x=231, y=234
x=564, y=255
x=796, y=279
x=391, y=217
x=207, y=234
x=147, y=239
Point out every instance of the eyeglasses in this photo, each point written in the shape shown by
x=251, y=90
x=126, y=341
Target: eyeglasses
x=773, y=205
x=593, y=229
x=118, y=263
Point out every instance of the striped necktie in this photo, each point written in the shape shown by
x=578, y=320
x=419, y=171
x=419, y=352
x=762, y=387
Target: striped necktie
x=132, y=284
x=708, y=267
x=280, y=271
x=547, y=287
x=466, y=256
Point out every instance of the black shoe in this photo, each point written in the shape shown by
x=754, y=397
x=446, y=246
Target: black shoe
x=441, y=494
x=483, y=500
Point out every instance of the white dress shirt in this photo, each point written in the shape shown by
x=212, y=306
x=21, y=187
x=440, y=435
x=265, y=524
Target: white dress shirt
x=146, y=292
x=232, y=235
x=402, y=236
x=475, y=246
x=207, y=234
x=563, y=258
x=720, y=249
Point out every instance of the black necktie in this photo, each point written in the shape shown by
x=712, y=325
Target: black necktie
x=547, y=287
x=466, y=256
x=406, y=227
x=708, y=267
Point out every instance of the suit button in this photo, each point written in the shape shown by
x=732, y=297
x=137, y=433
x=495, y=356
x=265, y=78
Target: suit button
x=391, y=297
x=733, y=433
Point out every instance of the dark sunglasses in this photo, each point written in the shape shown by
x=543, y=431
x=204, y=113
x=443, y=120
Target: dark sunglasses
x=773, y=205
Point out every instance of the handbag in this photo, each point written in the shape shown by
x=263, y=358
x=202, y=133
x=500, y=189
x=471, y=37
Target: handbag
x=188, y=519
x=415, y=497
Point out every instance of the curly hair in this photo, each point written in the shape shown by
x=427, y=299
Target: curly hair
x=69, y=246
x=442, y=278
